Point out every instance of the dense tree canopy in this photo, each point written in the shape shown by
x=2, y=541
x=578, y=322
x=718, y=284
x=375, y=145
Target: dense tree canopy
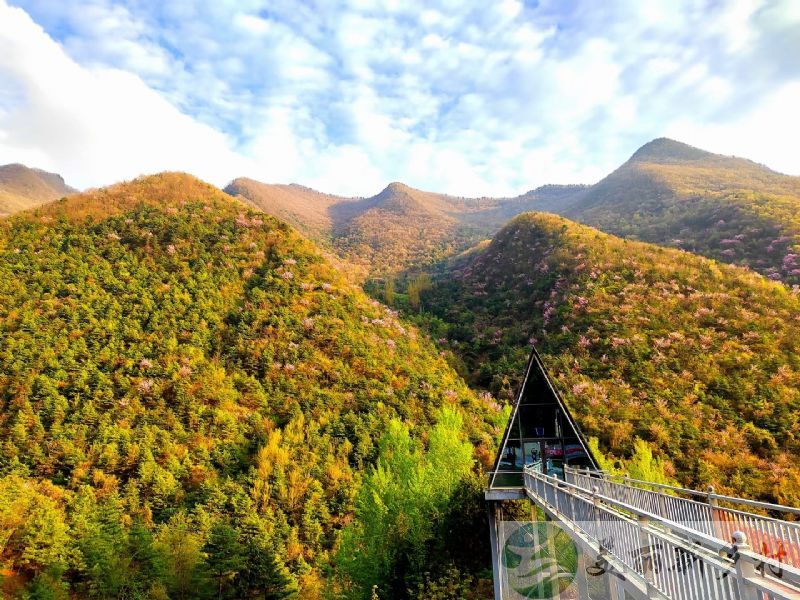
x=190, y=395
x=701, y=360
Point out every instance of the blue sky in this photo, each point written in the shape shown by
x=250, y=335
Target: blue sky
x=471, y=98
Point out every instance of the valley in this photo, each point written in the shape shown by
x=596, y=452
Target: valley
x=318, y=384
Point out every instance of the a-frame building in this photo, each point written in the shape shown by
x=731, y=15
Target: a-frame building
x=540, y=432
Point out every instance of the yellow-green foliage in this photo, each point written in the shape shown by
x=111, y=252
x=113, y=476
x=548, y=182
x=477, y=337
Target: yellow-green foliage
x=171, y=360
x=699, y=359
x=729, y=209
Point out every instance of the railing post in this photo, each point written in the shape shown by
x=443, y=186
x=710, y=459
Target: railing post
x=555, y=495
x=494, y=540
x=714, y=528
x=626, y=481
x=662, y=509
x=745, y=570
x=596, y=510
x=645, y=555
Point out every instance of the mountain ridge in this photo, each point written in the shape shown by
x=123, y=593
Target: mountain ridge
x=23, y=187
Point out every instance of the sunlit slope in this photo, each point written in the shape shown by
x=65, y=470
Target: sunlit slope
x=302, y=207
x=22, y=187
x=166, y=352
x=700, y=359
x=727, y=208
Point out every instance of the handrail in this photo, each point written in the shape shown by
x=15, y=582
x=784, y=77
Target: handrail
x=790, y=575
x=772, y=538
x=659, y=567
x=709, y=494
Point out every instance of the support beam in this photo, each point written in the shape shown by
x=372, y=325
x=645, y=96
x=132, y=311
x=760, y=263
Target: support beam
x=491, y=509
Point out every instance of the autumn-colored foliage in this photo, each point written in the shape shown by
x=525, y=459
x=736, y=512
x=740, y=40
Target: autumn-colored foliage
x=191, y=395
x=699, y=359
x=726, y=208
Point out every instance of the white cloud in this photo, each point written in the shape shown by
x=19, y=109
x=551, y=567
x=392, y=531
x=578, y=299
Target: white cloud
x=95, y=125
x=460, y=96
x=763, y=134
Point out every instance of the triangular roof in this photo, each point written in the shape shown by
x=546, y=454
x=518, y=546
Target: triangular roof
x=540, y=427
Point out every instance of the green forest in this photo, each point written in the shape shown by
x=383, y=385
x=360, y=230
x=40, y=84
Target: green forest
x=696, y=358
x=198, y=402
x=196, y=405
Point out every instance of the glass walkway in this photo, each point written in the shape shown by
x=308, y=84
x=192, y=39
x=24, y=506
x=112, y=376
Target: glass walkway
x=644, y=540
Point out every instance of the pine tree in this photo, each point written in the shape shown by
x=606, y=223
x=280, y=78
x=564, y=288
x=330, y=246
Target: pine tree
x=224, y=557
x=262, y=575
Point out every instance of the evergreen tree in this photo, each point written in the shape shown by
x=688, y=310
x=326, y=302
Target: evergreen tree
x=262, y=576
x=224, y=557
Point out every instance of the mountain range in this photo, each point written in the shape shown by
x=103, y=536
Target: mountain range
x=197, y=394
x=669, y=193
x=726, y=208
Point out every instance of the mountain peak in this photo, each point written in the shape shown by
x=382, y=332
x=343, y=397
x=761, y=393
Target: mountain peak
x=665, y=150
x=397, y=186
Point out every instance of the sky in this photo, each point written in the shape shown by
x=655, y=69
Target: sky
x=464, y=97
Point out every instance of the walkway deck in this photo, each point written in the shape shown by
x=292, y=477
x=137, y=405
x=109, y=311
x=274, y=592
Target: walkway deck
x=660, y=544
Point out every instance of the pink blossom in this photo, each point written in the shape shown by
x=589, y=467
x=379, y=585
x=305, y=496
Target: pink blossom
x=579, y=388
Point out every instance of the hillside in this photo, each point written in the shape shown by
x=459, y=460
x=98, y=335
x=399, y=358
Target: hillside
x=726, y=208
x=301, y=207
x=22, y=187
x=187, y=382
x=399, y=228
x=699, y=359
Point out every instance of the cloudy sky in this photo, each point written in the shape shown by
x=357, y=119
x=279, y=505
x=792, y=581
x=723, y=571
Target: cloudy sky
x=459, y=96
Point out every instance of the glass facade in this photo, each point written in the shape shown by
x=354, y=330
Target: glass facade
x=539, y=433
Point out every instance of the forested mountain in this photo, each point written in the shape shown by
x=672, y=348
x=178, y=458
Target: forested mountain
x=400, y=228
x=727, y=208
x=669, y=193
x=22, y=187
x=194, y=404
x=396, y=229
x=699, y=359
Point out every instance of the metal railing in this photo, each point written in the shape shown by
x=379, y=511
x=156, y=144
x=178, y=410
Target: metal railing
x=772, y=538
x=668, y=559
